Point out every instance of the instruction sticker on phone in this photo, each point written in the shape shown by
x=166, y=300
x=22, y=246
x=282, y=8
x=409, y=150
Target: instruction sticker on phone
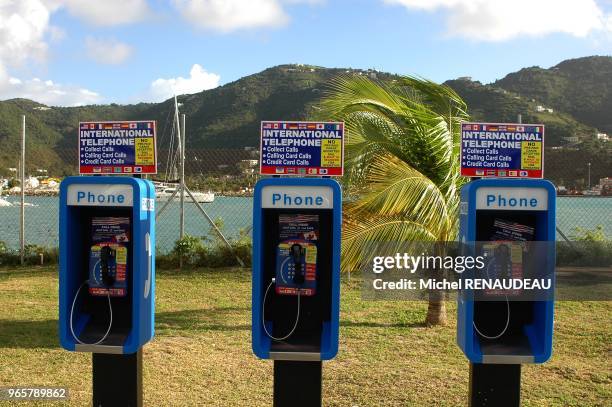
x=296, y=255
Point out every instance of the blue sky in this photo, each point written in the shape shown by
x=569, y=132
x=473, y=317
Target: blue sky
x=67, y=52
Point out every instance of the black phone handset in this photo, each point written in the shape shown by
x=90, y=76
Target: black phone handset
x=108, y=278
x=297, y=254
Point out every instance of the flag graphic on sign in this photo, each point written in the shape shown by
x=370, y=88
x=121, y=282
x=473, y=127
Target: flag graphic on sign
x=320, y=126
x=84, y=126
x=133, y=125
x=267, y=125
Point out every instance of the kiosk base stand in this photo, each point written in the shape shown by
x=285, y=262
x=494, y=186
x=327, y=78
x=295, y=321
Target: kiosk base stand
x=495, y=385
x=297, y=383
x=117, y=380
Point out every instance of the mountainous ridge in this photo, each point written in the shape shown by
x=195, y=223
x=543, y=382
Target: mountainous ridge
x=228, y=116
x=581, y=87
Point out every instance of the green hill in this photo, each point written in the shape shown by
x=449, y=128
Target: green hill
x=493, y=104
x=581, y=87
x=228, y=117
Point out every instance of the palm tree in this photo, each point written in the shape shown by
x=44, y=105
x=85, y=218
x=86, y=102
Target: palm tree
x=402, y=158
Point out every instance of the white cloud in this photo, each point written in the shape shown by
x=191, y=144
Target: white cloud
x=47, y=92
x=106, y=12
x=199, y=80
x=231, y=15
x=500, y=20
x=107, y=51
x=23, y=25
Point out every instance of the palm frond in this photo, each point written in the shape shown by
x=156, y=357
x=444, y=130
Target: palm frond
x=396, y=189
x=360, y=237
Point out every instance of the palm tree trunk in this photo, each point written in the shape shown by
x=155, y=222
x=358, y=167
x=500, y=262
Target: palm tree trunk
x=436, y=309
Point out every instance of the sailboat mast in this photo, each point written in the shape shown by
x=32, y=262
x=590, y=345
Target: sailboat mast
x=181, y=150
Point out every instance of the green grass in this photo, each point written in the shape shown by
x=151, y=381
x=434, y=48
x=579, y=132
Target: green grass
x=201, y=354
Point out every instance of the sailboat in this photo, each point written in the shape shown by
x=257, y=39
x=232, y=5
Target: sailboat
x=166, y=189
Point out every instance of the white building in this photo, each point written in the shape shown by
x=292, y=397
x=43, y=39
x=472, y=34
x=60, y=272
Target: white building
x=32, y=183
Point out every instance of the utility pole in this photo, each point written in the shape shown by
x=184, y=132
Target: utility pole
x=22, y=176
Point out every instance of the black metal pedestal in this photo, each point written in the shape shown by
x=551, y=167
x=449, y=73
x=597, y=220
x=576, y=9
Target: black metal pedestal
x=495, y=385
x=297, y=383
x=117, y=380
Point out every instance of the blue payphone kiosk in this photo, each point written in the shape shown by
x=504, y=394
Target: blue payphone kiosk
x=511, y=223
x=516, y=215
x=296, y=268
x=296, y=282
x=107, y=264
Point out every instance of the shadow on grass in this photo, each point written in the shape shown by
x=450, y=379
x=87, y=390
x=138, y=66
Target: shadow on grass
x=205, y=319
x=28, y=334
x=363, y=324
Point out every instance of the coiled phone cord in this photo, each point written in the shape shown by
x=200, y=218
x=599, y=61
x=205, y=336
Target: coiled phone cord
x=263, y=315
x=507, y=313
x=110, y=324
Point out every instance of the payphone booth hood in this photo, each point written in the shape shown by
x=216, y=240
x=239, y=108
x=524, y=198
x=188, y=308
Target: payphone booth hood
x=139, y=201
x=261, y=343
x=540, y=333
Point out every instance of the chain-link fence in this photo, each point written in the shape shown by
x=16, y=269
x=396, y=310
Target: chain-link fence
x=228, y=177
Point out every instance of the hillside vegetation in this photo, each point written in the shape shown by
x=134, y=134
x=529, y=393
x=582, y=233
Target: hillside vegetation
x=228, y=117
x=581, y=87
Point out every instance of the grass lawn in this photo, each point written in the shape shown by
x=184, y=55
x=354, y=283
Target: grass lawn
x=201, y=354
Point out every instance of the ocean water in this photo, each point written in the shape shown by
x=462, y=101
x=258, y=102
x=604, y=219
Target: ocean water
x=236, y=215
